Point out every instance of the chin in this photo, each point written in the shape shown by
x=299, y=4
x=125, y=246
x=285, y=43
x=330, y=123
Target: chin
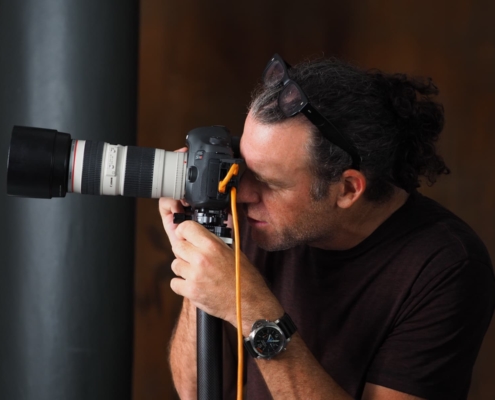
x=269, y=245
x=262, y=241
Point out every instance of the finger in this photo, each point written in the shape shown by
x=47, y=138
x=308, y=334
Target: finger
x=181, y=150
x=178, y=285
x=184, y=251
x=167, y=207
x=180, y=267
x=230, y=222
x=175, y=267
x=197, y=235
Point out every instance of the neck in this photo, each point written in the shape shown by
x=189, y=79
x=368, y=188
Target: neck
x=362, y=219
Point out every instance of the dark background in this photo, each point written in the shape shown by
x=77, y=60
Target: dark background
x=66, y=265
x=199, y=61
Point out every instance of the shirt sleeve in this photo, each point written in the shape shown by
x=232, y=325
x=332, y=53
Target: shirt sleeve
x=433, y=344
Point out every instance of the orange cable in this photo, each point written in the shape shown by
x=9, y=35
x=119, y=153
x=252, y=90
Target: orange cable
x=222, y=185
x=234, y=170
x=237, y=250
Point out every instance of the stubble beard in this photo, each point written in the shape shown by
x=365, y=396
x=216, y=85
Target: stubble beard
x=311, y=230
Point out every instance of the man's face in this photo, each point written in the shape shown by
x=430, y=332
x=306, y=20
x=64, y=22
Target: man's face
x=275, y=189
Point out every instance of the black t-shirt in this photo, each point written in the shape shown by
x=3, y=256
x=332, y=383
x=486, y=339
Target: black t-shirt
x=407, y=308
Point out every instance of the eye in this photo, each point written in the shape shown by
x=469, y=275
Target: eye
x=260, y=180
x=272, y=186
x=269, y=185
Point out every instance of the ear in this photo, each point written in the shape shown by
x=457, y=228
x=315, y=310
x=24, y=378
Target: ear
x=352, y=187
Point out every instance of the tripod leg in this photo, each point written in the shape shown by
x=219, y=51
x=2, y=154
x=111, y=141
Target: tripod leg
x=209, y=352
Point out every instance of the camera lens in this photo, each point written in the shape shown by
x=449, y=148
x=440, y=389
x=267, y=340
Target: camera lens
x=44, y=163
x=37, y=164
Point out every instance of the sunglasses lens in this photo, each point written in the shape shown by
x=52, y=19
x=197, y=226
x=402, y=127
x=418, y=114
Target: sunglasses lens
x=274, y=74
x=291, y=101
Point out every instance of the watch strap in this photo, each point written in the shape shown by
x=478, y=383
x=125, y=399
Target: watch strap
x=287, y=326
x=249, y=348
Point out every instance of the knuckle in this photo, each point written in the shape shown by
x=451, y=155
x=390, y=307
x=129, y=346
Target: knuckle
x=194, y=276
x=201, y=261
x=178, y=247
x=217, y=244
x=181, y=228
x=187, y=225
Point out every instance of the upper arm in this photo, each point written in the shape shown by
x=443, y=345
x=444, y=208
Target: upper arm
x=431, y=350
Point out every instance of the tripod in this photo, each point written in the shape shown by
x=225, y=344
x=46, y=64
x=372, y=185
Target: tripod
x=209, y=328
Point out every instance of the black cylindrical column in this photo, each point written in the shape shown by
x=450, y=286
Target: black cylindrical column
x=66, y=264
x=209, y=356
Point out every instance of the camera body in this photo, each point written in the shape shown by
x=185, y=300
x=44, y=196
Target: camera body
x=211, y=153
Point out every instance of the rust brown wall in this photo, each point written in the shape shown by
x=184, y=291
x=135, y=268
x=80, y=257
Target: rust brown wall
x=199, y=60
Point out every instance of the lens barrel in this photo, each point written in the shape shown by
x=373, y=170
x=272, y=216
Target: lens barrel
x=37, y=164
x=106, y=169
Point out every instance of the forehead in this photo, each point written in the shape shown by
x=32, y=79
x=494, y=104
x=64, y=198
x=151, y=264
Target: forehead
x=281, y=146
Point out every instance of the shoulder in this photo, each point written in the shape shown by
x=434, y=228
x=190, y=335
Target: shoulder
x=444, y=307
x=427, y=228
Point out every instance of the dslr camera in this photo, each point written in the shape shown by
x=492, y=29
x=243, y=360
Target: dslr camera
x=45, y=163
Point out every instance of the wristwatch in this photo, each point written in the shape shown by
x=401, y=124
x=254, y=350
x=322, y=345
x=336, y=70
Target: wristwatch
x=267, y=339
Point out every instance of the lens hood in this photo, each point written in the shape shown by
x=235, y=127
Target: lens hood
x=38, y=163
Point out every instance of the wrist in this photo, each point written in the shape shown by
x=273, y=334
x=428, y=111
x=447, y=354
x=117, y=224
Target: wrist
x=268, y=312
x=270, y=338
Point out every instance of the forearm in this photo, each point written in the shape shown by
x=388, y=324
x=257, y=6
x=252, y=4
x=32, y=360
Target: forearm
x=296, y=374
x=205, y=272
x=183, y=353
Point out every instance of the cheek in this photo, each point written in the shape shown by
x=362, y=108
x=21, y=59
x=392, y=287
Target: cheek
x=247, y=191
x=281, y=205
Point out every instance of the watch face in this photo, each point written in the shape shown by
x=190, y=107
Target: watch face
x=268, y=341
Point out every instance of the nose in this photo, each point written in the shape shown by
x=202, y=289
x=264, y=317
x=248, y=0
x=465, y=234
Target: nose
x=247, y=192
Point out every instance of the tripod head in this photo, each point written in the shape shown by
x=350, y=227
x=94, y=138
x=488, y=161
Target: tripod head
x=213, y=220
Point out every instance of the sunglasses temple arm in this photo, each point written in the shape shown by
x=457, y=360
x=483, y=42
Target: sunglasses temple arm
x=331, y=132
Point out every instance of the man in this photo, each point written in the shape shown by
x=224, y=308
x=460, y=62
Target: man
x=389, y=294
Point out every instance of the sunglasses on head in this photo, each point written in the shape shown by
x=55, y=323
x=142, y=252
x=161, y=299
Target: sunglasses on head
x=292, y=100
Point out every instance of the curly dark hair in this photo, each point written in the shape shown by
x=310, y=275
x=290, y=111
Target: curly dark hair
x=391, y=119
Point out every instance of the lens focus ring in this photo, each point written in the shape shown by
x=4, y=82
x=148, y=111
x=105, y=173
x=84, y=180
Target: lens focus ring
x=91, y=174
x=139, y=171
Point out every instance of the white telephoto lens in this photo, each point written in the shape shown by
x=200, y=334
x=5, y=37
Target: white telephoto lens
x=106, y=169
